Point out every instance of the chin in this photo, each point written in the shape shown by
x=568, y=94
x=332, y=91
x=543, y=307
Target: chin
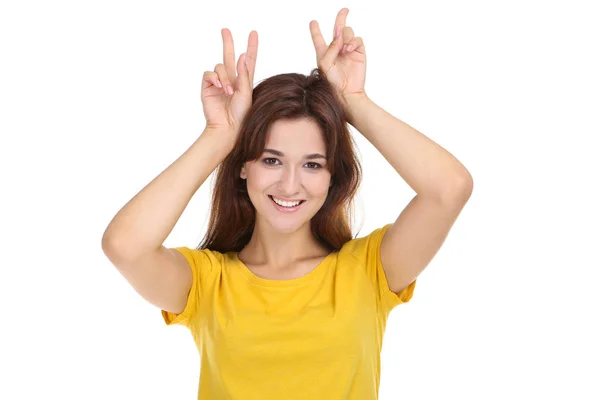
x=286, y=226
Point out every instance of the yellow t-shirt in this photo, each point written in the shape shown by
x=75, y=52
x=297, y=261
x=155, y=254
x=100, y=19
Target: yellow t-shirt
x=314, y=337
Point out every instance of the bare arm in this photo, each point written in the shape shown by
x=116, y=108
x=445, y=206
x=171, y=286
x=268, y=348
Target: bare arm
x=143, y=224
x=133, y=239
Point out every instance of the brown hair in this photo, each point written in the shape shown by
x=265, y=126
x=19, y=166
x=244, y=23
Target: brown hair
x=286, y=96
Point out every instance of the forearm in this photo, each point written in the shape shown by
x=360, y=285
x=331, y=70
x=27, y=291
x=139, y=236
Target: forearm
x=426, y=167
x=143, y=224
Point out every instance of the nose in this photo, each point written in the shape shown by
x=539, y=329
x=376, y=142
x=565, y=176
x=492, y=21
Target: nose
x=289, y=184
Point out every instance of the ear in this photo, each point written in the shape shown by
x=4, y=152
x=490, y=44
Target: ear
x=243, y=172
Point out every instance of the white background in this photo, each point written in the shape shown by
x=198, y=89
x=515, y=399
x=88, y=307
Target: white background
x=98, y=98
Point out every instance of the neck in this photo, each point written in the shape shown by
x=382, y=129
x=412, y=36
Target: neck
x=278, y=250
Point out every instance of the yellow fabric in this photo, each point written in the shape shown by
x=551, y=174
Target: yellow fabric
x=315, y=337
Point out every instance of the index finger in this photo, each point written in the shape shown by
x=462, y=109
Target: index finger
x=251, y=54
x=228, y=54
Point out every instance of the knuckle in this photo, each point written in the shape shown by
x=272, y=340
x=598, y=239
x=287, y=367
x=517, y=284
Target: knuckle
x=221, y=72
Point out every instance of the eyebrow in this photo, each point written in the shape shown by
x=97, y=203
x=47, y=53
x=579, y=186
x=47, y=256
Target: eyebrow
x=307, y=157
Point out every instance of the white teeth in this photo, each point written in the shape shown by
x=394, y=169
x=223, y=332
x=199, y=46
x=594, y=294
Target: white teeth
x=285, y=203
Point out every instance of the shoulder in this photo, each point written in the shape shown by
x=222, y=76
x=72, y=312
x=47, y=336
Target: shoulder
x=205, y=260
x=364, y=246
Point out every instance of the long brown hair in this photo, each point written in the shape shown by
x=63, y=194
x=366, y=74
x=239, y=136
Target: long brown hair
x=286, y=96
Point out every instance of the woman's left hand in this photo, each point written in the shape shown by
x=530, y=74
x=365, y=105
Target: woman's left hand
x=344, y=60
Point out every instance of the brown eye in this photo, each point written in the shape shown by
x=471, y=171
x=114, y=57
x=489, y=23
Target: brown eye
x=266, y=161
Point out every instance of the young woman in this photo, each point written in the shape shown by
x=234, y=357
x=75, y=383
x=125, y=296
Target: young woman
x=281, y=301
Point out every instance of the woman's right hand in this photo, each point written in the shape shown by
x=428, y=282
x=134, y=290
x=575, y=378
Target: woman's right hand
x=226, y=98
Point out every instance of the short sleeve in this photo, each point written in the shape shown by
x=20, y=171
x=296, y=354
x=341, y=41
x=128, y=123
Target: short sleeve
x=366, y=249
x=196, y=259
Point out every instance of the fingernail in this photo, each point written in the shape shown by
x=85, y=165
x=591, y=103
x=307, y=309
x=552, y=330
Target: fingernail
x=229, y=89
x=219, y=84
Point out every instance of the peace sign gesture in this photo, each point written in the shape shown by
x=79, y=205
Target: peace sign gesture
x=344, y=60
x=227, y=96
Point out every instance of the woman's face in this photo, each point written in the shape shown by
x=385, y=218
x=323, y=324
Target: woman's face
x=292, y=167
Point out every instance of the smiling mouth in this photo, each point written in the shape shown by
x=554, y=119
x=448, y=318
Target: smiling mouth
x=291, y=208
